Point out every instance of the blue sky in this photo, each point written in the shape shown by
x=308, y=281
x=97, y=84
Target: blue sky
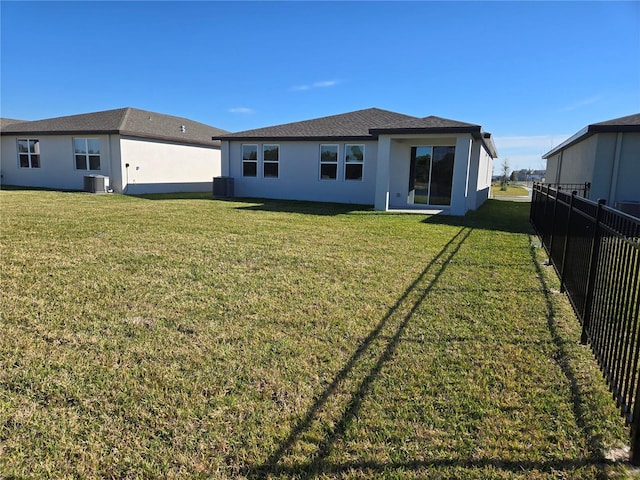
x=531, y=73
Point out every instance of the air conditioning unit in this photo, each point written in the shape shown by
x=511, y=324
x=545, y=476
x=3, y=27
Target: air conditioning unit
x=222, y=187
x=96, y=184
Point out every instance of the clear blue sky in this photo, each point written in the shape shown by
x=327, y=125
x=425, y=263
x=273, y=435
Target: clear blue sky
x=532, y=73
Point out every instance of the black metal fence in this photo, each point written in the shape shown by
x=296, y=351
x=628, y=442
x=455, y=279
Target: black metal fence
x=582, y=189
x=595, y=250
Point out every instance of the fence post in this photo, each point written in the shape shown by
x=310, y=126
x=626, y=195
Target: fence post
x=553, y=225
x=534, y=206
x=593, y=263
x=635, y=431
x=566, y=241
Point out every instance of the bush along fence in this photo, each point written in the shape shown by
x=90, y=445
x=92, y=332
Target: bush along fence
x=595, y=251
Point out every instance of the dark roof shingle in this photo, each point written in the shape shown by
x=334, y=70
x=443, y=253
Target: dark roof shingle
x=363, y=125
x=5, y=122
x=629, y=120
x=124, y=121
x=345, y=125
x=629, y=123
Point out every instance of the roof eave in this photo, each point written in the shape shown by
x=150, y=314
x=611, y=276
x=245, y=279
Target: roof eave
x=182, y=141
x=60, y=132
x=613, y=128
x=588, y=131
x=423, y=130
x=580, y=135
x=293, y=138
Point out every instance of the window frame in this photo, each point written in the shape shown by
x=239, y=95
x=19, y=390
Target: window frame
x=249, y=161
x=32, y=157
x=348, y=163
x=270, y=161
x=335, y=163
x=88, y=155
x=434, y=173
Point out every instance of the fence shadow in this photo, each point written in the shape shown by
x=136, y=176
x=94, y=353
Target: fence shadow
x=583, y=414
x=317, y=462
x=498, y=215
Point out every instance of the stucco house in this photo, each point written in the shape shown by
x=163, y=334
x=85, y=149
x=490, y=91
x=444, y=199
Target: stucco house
x=373, y=156
x=134, y=151
x=606, y=154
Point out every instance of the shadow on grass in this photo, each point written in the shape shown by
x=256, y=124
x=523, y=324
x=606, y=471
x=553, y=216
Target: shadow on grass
x=297, y=206
x=585, y=414
x=317, y=461
x=381, y=345
x=19, y=188
x=172, y=196
x=511, y=217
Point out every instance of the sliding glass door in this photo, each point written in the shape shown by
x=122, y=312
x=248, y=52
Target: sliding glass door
x=431, y=175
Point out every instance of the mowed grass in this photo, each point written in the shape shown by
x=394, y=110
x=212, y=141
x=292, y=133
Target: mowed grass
x=181, y=337
x=511, y=191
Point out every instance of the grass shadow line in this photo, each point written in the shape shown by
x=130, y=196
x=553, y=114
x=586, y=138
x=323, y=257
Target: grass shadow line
x=297, y=206
x=271, y=465
x=565, y=360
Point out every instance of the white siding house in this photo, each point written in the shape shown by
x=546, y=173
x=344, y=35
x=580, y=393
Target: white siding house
x=605, y=154
x=136, y=150
x=372, y=157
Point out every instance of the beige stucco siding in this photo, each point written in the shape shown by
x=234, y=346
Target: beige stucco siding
x=156, y=166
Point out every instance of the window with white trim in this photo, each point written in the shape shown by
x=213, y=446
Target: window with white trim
x=353, y=162
x=328, y=162
x=87, y=153
x=29, y=153
x=249, y=160
x=270, y=161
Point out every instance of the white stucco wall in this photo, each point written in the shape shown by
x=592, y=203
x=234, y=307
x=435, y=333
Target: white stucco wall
x=485, y=170
x=57, y=163
x=578, y=161
x=161, y=167
x=299, y=174
x=400, y=164
x=463, y=162
x=608, y=160
x=553, y=168
x=627, y=185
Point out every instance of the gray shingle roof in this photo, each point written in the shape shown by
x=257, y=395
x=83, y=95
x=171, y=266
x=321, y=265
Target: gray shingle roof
x=345, y=125
x=124, y=121
x=362, y=124
x=629, y=120
x=5, y=122
x=630, y=123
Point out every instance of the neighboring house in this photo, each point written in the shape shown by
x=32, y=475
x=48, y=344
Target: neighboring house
x=606, y=154
x=136, y=150
x=373, y=156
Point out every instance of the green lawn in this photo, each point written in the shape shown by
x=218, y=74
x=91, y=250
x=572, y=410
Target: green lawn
x=169, y=337
x=511, y=191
